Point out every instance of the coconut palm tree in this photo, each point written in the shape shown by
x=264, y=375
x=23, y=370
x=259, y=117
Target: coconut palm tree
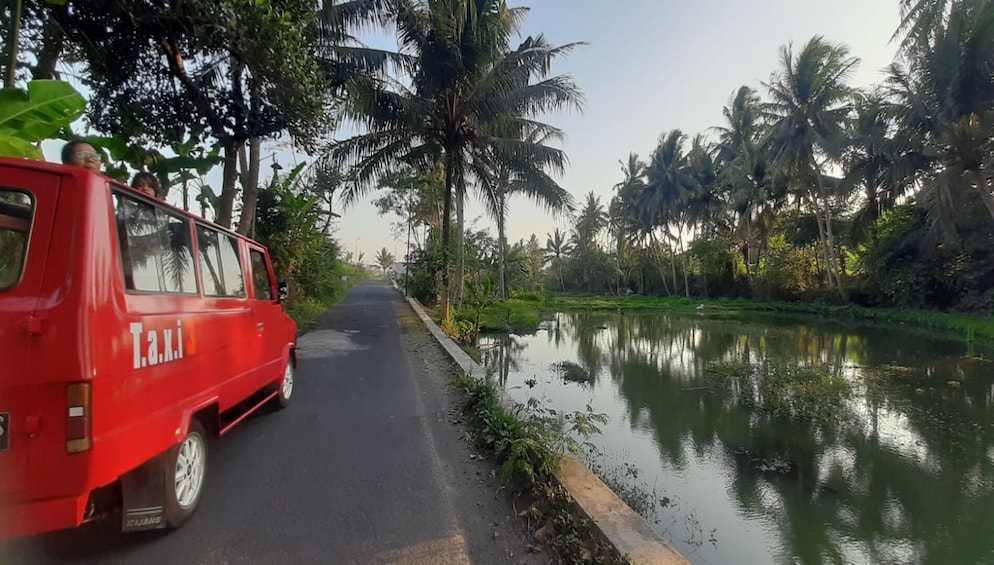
x=466, y=90
x=810, y=102
x=500, y=178
x=877, y=160
x=944, y=100
x=384, y=259
x=591, y=220
x=557, y=247
x=744, y=172
x=667, y=186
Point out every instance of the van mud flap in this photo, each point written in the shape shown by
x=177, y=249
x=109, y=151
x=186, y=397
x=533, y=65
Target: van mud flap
x=143, y=497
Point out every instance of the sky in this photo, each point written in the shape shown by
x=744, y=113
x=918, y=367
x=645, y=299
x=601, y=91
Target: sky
x=649, y=66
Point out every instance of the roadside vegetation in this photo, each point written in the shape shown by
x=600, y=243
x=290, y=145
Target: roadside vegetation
x=525, y=313
x=811, y=196
x=528, y=443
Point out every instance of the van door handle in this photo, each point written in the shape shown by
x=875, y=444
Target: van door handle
x=261, y=326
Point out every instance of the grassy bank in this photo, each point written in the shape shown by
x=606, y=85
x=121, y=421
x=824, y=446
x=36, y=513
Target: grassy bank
x=528, y=450
x=524, y=313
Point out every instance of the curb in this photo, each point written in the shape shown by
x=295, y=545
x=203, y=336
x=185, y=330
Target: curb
x=626, y=531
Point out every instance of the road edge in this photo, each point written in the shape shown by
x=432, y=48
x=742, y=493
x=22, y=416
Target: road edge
x=621, y=527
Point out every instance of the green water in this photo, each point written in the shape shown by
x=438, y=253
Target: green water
x=902, y=473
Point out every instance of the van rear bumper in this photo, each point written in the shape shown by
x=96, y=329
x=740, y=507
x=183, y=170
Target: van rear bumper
x=40, y=516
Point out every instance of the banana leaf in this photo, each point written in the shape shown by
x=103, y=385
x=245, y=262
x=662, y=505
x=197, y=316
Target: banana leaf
x=14, y=147
x=27, y=117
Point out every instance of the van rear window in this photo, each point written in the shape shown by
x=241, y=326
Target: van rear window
x=16, y=212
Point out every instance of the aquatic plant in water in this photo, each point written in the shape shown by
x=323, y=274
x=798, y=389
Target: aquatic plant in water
x=809, y=393
x=572, y=372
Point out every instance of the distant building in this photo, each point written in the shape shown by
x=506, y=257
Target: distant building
x=397, y=270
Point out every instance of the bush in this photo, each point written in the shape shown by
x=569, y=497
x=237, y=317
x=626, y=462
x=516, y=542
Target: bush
x=290, y=225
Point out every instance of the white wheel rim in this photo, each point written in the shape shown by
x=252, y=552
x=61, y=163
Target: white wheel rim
x=190, y=470
x=288, y=381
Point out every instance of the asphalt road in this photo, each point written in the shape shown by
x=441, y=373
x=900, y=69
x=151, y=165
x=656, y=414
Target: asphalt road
x=365, y=466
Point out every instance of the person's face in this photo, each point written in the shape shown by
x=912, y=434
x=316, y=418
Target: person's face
x=84, y=155
x=146, y=187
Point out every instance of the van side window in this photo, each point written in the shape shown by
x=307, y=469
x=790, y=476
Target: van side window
x=261, y=281
x=220, y=266
x=156, y=251
x=16, y=213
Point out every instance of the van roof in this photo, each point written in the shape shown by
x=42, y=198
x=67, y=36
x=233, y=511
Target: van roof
x=79, y=172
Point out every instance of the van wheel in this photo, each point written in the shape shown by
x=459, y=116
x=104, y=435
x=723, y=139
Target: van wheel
x=186, y=469
x=286, y=386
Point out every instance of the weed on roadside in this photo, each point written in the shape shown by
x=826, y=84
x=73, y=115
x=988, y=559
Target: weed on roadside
x=528, y=443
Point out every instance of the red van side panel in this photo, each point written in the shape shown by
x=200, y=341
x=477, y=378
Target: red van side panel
x=151, y=360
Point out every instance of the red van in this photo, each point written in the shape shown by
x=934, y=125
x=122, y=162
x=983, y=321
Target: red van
x=130, y=331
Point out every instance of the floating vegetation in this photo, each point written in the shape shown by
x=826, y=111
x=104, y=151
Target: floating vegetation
x=571, y=372
x=807, y=393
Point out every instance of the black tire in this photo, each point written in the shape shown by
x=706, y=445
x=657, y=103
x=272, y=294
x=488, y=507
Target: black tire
x=283, y=389
x=180, y=503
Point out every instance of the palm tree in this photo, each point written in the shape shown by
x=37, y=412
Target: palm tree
x=919, y=21
x=810, y=102
x=944, y=98
x=468, y=92
x=500, y=178
x=877, y=160
x=557, y=247
x=667, y=186
x=590, y=222
x=384, y=259
x=746, y=174
x=622, y=211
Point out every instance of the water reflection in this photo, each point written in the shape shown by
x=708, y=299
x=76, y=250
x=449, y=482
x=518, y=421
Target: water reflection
x=905, y=475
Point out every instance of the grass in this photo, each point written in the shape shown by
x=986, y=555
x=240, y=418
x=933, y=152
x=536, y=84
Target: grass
x=528, y=448
x=524, y=313
x=307, y=310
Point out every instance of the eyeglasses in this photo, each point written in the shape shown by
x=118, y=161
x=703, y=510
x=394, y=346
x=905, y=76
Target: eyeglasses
x=88, y=156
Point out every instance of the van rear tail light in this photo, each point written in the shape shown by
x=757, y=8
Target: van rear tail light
x=78, y=417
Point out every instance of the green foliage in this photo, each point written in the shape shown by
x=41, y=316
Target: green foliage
x=805, y=393
x=532, y=310
x=156, y=76
x=41, y=112
x=906, y=268
x=528, y=443
x=572, y=372
x=527, y=440
x=289, y=224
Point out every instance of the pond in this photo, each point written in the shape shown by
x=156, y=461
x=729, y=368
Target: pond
x=737, y=454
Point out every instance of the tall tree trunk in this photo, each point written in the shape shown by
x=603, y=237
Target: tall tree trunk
x=186, y=193
x=446, y=231
x=461, y=241
x=683, y=255
x=250, y=185
x=229, y=179
x=657, y=251
x=52, y=43
x=502, y=244
x=819, y=220
x=250, y=188
x=830, y=243
x=12, y=41
x=676, y=287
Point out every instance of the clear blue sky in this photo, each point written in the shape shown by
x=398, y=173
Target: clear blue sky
x=650, y=66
